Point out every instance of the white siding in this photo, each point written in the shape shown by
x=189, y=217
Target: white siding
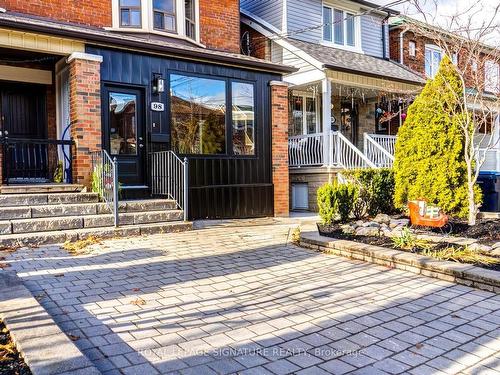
x=371, y=35
x=283, y=56
x=269, y=10
x=305, y=14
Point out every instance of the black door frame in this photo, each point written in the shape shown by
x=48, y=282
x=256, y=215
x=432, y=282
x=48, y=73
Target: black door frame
x=142, y=130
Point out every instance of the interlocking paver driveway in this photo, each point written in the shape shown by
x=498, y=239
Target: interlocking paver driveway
x=242, y=299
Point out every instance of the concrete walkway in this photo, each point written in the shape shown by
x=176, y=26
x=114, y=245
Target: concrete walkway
x=238, y=297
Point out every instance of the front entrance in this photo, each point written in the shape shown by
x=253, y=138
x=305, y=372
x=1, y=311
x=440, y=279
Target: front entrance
x=124, y=132
x=23, y=123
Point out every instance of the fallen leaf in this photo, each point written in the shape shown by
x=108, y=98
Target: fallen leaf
x=136, y=289
x=73, y=337
x=59, y=275
x=419, y=346
x=138, y=302
x=455, y=316
x=4, y=265
x=40, y=296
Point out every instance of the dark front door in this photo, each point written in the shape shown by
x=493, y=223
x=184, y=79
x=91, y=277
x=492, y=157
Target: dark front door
x=124, y=132
x=23, y=120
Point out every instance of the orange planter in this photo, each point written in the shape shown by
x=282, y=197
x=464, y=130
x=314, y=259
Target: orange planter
x=424, y=221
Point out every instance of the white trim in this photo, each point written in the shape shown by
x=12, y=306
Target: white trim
x=304, y=96
x=357, y=27
x=284, y=19
x=305, y=77
x=432, y=48
x=29, y=75
x=83, y=56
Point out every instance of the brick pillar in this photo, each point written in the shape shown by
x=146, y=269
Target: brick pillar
x=279, y=150
x=85, y=112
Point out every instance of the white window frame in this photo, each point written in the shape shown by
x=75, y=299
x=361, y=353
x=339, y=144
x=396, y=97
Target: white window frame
x=147, y=20
x=357, y=28
x=304, y=96
x=491, y=84
x=412, y=48
x=433, y=48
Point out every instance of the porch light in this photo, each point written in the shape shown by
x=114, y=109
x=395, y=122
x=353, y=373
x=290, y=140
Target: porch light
x=158, y=84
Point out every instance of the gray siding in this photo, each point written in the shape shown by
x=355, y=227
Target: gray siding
x=269, y=11
x=303, y=14
x=371, y=35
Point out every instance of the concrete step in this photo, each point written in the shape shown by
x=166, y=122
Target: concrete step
x=40, y=188
x=55, y=237
x=83, y=209
x=47, y=224
x=15, y=200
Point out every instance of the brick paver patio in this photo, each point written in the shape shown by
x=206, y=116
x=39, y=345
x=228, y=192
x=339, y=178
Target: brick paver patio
x=242, y=299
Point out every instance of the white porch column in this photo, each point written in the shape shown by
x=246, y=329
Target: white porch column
x=326, y=101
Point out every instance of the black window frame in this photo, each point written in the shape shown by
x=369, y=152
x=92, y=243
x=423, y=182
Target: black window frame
x=228, y=116
x=129, y=9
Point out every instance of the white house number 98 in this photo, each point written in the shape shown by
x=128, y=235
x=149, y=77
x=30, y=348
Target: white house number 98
x=157, y=106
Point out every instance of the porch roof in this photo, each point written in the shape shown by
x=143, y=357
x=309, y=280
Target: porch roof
x=166, y=47
x=357, y=63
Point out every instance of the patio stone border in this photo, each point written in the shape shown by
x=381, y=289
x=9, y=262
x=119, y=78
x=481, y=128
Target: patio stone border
x=43, y=345
x=464, y=274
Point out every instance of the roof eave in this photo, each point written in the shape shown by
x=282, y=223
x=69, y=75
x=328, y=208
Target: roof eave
x=353, y=71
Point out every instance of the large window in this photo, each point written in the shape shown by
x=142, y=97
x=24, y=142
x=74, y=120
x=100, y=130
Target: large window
x=304, y=115
x=198, y=115
x=243, y=116
x=433, y=56
x=339, y=27
x=130, y=13
x=123, y=123
x=164, y=15
x=491, y=77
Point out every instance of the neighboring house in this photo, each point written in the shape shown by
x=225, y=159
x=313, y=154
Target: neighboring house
x=419, y=46
x=135, y=77
x=346, y=98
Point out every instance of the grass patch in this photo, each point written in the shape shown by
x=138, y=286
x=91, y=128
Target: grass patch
x=80, y=247
x=409, y=241
x=462, y=255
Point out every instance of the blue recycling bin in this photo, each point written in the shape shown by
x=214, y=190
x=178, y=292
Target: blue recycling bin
x=490, y=186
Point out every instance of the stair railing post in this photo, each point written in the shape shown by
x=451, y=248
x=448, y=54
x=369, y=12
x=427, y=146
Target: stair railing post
x=115, y=191
x=186, y=187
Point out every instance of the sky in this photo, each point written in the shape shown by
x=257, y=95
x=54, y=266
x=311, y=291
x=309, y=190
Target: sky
x=438, y=12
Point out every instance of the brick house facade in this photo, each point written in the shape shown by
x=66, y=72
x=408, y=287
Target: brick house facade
x=89, y=66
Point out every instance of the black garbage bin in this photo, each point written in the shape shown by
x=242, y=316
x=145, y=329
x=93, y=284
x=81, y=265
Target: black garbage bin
x=490, y=186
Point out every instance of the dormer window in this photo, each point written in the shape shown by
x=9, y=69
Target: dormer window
x=130, y=13
x=164, y=15
x=340, y=27
x=176, y=18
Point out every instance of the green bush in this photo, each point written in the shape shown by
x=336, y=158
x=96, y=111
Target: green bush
x=337, y=201
x=429, y=157
x=376, y=190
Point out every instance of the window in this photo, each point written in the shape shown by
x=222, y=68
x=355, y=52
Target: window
x=491, y=77
x=243, y=113
x=190, y=12
x=339, y=27
x=164, y=15
x=123, y=123
x=433, y=56
x=412, y=48
x=198, y=115
x=454, y=58
x=304, y=115
x=130, y=13
x=474, y=66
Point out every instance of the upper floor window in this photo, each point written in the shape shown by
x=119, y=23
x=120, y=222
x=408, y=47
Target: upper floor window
x=130, y=13
x=433, y=56
x=176, y=17
x=339, y=27
x=164, y=15
x=491, y=77
x=412, y=48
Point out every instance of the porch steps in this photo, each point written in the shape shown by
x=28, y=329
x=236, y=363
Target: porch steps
x=41, y=188
x=47, y=218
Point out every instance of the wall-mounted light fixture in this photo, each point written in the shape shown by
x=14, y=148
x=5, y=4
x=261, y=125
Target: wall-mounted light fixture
x=158, y=83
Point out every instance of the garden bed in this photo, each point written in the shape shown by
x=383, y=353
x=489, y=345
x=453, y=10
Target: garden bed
x=486, y=231
x=11, y=363
x=440, y=250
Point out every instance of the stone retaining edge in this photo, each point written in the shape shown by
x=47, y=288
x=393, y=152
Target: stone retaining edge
x=43, y=345
x=464, y=274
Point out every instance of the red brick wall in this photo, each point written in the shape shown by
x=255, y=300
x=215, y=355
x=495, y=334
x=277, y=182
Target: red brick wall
x=258, y=43
x=85, y=115
x=279, y=151
x=220, y=24
x=87, y=12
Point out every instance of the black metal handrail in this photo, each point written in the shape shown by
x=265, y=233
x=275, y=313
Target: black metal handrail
x=36, y=160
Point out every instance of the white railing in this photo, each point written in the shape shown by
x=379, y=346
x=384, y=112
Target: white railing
x=105, y=180
x=376, y=153
x=346, y=155
x=169, y=177
x=305, y=150
x=387, y=142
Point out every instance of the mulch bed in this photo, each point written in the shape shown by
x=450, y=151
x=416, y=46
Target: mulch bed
x=486, y=231
x=335, y=231
x=11, y=362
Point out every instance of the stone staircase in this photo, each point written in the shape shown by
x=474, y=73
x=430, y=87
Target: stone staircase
x=54, y=217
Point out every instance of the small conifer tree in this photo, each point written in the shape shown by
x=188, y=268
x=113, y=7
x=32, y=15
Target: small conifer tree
x=429, y=156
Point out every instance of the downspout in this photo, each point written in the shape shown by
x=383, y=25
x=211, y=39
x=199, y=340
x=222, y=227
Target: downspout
x=401, y=46
x=384, y=41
